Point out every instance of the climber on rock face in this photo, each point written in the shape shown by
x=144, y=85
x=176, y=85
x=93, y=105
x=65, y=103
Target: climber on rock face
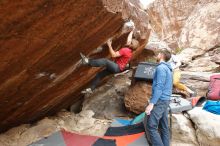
x=122, y=58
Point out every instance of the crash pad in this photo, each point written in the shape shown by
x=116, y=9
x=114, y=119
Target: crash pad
x=131, y=135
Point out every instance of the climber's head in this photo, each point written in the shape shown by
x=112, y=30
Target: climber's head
x=134, y=44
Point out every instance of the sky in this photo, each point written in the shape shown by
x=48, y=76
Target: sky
x=146, y=2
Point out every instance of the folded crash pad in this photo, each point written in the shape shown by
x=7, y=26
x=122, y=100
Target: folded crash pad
x=145, y=71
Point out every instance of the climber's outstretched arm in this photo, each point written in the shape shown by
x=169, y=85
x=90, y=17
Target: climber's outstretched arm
x=113, y=53
x=129, y=39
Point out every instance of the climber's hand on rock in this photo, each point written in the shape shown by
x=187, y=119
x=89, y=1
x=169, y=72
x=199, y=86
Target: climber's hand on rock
x=133, y=28
x=149, y=108
x=109, y=42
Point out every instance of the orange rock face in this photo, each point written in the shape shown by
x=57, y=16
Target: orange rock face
x=136, y=99
x=40, y=41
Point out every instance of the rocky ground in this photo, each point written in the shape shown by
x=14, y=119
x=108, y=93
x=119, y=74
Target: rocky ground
x=82, y=123
x=194, y=128
x=189, y=27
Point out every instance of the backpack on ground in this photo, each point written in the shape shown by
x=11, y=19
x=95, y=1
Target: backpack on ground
x=214, y=88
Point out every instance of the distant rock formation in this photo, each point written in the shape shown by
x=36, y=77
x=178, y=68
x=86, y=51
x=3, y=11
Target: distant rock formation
x=192, y=25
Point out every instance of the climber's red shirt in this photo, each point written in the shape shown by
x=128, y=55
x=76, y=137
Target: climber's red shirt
x=124, y=59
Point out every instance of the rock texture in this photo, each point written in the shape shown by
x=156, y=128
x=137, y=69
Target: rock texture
x=193, y=128
x=132, y=10
x=40, y=41
x=199, y=81
x=136, y=99
x=82, y=123
x=198, y=60
x=207, y=126
x=203, y=24
x=191, y=26
x=197, y=127
x=201, y=33
x=167, y=17
x=189, y=23
x=183, y=132
x=138, y=94
x=107, y=101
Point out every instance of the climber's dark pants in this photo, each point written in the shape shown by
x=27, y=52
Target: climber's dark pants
x=110, y=68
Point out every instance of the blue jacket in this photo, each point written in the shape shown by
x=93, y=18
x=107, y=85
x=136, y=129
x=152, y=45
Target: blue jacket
x=162, y=83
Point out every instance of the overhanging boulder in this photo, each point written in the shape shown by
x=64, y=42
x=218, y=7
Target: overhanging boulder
x=40, y=41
